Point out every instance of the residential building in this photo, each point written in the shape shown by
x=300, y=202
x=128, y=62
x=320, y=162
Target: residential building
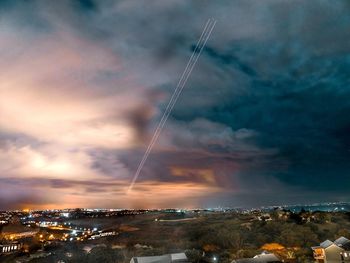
x=168, y=258
x=10, y=247
x=264, y=257
x=333, y=252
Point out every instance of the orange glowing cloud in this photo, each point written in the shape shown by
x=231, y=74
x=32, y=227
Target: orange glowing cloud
x=205, y=174
x=112, y=194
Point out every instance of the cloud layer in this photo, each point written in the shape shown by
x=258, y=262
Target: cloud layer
x=83, y=85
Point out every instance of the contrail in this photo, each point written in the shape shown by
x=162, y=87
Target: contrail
x=209, y=26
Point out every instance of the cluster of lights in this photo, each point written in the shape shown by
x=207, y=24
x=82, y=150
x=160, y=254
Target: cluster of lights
x=9, y=248
x=75, y=235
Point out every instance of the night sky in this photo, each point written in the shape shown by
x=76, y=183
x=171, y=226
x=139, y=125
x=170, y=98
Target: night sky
x=263, y=120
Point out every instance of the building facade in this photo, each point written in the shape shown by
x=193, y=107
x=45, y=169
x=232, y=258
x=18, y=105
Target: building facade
x=10, y=248
x=333, y=252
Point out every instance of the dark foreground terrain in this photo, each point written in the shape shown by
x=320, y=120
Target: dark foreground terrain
x=202, y=235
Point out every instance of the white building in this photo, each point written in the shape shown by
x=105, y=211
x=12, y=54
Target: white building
x=168, y=258
x=261, y=258
x=10, y=248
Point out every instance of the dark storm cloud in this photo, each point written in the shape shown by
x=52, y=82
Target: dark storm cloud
x=264, y=113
